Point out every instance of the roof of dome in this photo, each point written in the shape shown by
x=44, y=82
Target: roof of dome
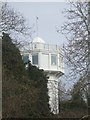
x=38, y=40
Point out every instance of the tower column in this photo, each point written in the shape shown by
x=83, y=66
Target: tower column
x=53, y=94
x=49, y=59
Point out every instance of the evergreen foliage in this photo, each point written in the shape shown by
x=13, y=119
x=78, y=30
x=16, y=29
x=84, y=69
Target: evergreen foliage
x=11, y=57
x=25, y=93
x=39, y=81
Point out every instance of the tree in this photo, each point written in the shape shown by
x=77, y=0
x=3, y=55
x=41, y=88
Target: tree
x=13, y=82
x=15, y=64
x=24, y=91
x=77, y=50
x=78, y=96
x=13, y=23
x=39, y=80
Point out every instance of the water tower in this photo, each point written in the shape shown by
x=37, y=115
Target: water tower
x=50, y=59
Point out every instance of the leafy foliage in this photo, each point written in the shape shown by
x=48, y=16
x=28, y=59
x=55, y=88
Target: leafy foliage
x=24, y=95
x=39, y=81
x=11, y=57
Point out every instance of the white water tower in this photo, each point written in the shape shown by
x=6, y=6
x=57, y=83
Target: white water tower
x=50, y=59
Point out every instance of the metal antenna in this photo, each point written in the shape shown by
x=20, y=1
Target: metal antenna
x=36, y=26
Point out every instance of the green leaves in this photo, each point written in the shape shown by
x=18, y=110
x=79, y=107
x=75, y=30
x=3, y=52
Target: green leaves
x=39, y=81
x=25, y=92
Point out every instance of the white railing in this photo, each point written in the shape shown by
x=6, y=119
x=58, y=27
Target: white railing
x=41, y=46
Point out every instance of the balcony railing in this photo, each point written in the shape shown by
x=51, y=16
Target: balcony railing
x=41, y=46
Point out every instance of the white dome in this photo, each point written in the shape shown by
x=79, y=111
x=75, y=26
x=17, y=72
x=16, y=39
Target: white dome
x=38, y=40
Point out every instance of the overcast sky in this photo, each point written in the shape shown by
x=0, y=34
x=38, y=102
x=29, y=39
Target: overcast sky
x=50, y=18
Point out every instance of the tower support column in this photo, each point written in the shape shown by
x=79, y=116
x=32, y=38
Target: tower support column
x=53, y=94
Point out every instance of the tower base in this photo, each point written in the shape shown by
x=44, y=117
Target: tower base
x=53, y=94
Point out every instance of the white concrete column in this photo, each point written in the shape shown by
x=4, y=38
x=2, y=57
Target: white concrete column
x=58, y=61
x=39, y=59
x=30, y=57
x=49, y=61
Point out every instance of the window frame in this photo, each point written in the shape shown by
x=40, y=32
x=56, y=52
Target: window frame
x=33, y=62
x=23, y=58
x=52, y=61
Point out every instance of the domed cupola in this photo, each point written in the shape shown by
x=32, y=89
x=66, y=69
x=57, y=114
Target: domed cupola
x=38, y=40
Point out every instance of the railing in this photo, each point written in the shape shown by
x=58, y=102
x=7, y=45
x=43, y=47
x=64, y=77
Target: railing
x=41, y=46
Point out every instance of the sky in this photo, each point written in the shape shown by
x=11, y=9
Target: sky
x=50, y=19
